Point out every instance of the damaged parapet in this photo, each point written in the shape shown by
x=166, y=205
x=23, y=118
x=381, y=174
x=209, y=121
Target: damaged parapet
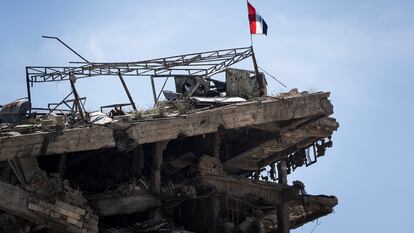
x=213, y=157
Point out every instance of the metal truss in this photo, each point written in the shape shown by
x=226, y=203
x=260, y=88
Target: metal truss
x=194, y=64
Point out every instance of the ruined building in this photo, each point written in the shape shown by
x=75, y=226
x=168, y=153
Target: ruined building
x=213, y=157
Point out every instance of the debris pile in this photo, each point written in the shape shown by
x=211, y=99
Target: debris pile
x=213, y=157
x=150, y=226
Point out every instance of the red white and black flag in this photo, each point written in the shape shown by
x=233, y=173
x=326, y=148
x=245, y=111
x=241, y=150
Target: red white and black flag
x=257, y=23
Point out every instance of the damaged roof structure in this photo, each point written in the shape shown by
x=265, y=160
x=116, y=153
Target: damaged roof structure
x=213, y=157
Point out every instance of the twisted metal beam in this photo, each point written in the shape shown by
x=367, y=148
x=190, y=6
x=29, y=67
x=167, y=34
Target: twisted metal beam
x=194, y=64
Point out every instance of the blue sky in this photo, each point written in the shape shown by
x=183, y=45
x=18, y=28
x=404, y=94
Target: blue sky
x=362, y=51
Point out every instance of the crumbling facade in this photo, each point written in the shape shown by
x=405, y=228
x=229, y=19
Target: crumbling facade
x=199, y=162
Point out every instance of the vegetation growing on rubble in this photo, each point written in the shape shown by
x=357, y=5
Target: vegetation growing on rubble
x=163, y=108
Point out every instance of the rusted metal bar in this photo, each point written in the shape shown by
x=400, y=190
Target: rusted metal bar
x=57, y=105
x=127, y=91
x=258, y=77
x=162, y=88
x=67, y=46
x=29, y=95
x=75, y=93
x=154, y=93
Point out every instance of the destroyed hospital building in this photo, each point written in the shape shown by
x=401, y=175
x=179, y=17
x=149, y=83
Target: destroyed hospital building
x=213, y=155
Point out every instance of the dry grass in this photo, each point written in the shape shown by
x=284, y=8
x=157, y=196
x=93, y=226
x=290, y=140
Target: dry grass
x=163, y=108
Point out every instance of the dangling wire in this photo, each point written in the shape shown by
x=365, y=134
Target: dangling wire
x=317, y=224
x=277, y=80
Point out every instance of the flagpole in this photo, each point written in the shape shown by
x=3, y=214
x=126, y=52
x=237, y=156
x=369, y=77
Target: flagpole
x=256, y=68
x=250, y=32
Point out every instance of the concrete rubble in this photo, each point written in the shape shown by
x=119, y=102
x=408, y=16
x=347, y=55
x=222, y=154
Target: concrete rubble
x=208, y=159
x=217, y=156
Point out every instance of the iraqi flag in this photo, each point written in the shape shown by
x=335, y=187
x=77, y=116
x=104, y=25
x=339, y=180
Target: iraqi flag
x=257, y=23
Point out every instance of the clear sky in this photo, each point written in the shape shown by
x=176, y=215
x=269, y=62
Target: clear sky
x=360, y=50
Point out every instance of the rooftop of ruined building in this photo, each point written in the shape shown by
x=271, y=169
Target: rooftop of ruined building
x=292, y=114
x=257, y=132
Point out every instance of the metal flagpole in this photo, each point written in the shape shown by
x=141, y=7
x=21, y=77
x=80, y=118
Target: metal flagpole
x=248, y=17
x=256, y=68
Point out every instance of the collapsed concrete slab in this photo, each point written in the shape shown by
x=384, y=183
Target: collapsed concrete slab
x=275, y=149
x=310, y=106
x=302, y=210
x=218, y=160
x=113, y=205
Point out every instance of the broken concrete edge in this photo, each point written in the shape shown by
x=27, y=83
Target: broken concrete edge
x=269, y=192
x=289, y=140
x=303, y=210
x=313, y=206
x=318, y=206
x=204, y=122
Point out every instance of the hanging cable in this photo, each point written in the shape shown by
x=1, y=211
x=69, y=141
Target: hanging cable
x=316, y=225
x=277, y=80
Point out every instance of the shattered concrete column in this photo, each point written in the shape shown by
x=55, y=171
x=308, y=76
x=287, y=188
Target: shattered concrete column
x=282, y=209
x=158, y=149
x=217, y=142
x=62, y=165
x=24, y=168
x=137, y=161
